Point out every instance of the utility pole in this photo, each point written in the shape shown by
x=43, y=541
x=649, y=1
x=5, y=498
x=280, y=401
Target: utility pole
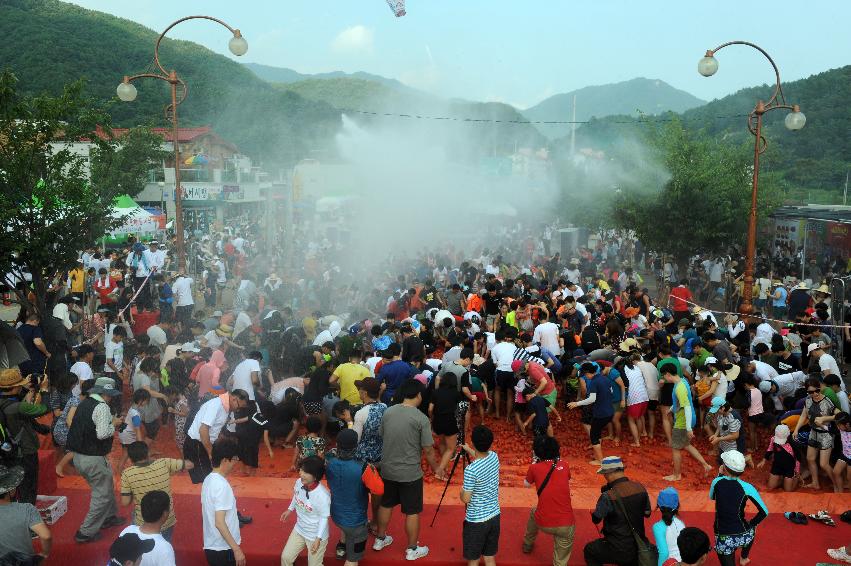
x=845, y=195
x=573, y=130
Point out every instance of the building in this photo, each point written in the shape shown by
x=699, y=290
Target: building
x=217, y=181
x=820, y=230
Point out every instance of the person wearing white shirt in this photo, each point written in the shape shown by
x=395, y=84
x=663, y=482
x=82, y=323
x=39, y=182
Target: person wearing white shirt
x=312, y=504
x=239, y=244
x=219, y=516
x=205, y=428
x=547, y=335
x=762, y=370
x=183, y=301
x=155, y=506
x=764, y=331
x=142, y=263
x=827, y=363
x=82, y=368
x=243, y=320
x=246, y=374
x=157, y=255
x=503, y=356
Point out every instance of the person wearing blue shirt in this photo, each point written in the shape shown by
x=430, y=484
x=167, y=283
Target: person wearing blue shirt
x=393, y=372
x=480, y=493
x=618, y=390
x=667, y=530
x=600, y=397
x=731, y=495
x=349, y=497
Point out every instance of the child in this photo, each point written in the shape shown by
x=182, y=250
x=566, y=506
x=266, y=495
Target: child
x=480, y=493
x=520, y=391
x=756, y=413
x=179, y=407
x=132, y=431
x=312, y=504
x=784, y=465
x=843, y=456
x=310, y=444
x=480, y=391
x=668, y=529
x=349, y=498
x=731, y=494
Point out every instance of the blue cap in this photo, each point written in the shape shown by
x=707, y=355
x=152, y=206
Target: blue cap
x=717, y=403
x=669, y=498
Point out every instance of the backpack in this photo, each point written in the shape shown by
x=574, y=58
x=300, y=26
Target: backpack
x=10, y=448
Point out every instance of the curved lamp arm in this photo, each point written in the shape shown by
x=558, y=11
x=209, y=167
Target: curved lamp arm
x=778, y=90
x=234, y=31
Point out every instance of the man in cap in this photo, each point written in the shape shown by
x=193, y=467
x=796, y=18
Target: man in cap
x=782, y=388
x=158, y=256
x=128, y=550
x=349, y=497
x=18, y=520
x=826, y=363
x=90, y=439
x=622, y=508
x=141, y=263
x=733, y=530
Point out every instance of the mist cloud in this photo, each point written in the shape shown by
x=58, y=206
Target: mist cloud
x=353, y=40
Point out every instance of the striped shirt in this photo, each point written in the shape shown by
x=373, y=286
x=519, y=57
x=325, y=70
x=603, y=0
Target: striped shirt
x=481, y=478
x=138, y=480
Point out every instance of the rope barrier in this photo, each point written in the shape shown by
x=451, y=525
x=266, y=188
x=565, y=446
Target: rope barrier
x=139, y=290
x=737, y=315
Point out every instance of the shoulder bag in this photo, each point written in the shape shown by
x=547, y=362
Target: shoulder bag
x=647, y=553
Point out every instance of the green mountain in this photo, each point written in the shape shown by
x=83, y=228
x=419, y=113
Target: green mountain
x=56, y=43
x=816, y=157
x=284, y=75
x=630, y=98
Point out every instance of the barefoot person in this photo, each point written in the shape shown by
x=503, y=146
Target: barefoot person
x=732, y=529
x=600, y=396
x=684, y=420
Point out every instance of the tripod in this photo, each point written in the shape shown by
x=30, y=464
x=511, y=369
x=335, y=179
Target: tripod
x=461, y=452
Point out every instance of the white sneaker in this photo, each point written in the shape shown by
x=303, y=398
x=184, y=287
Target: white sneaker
x=414, y=553
x=381, y=543
x=839, y=554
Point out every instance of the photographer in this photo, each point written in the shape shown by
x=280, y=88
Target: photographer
x=20, y=405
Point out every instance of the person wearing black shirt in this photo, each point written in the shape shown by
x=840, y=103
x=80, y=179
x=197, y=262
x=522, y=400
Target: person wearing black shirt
x=412, y=346
x=492, y=299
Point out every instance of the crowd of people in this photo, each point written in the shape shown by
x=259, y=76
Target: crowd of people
x=364, y=380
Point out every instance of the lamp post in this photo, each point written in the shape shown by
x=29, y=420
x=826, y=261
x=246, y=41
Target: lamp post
x=795, y=120
x=127, y=92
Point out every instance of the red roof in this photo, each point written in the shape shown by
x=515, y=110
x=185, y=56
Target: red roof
x=183, y=134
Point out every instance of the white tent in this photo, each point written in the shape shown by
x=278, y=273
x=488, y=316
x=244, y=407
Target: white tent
x=137, y=220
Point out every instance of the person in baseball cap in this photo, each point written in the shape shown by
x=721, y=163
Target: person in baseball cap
x=733, y=461
x=370, y=386
x=128, y=549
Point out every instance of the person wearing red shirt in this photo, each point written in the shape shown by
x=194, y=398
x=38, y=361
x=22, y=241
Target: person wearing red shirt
x=680, y=294
x=105, y=287
x=554, y=513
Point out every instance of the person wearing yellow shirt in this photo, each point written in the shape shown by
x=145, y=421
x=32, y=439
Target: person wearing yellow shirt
x=347, y=374
x=77, y=281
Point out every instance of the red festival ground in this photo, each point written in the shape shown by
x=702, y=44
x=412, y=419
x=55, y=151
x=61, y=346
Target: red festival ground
x=778, y=540
x=267, y=495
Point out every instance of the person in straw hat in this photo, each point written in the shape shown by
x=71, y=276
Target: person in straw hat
x=19, y=414
x=20, y=521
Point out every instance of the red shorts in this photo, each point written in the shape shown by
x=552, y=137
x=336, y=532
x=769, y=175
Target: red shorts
x=479, y=395
x=636, y=411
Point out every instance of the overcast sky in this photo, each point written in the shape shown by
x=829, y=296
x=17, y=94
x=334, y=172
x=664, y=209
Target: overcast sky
x=520, y=51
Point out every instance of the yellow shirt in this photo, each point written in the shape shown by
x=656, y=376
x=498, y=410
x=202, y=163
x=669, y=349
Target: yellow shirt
x=77, y=277
x=346, y=375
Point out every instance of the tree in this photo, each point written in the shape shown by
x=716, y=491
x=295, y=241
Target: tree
x=704, y=204
x=55, y=201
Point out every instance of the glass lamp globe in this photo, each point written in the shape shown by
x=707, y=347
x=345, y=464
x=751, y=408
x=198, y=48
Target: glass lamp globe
x=126, y=92
x=707, y=66
x=237, y=45
x=795, y=120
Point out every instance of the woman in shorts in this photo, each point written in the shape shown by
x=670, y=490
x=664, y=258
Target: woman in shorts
x=442, y=410
x=637, y=398
x=818, y=411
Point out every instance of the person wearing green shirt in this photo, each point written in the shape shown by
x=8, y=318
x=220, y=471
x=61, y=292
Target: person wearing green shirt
x=684, y=420
x=700, y=354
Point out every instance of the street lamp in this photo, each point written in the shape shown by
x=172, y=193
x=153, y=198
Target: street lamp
x=795, y=120
x=126, y=91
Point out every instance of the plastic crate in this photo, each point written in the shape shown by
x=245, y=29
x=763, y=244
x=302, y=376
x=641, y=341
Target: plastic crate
x=51, y=507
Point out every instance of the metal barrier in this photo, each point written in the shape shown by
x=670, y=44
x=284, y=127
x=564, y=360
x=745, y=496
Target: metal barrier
x=838, y=296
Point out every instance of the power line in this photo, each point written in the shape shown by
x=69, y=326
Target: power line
x=638, y=121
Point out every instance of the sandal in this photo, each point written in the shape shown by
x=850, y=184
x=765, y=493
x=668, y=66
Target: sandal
x=795, y=517
x=845, y=517
x=823, y=517
x=340, y=550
